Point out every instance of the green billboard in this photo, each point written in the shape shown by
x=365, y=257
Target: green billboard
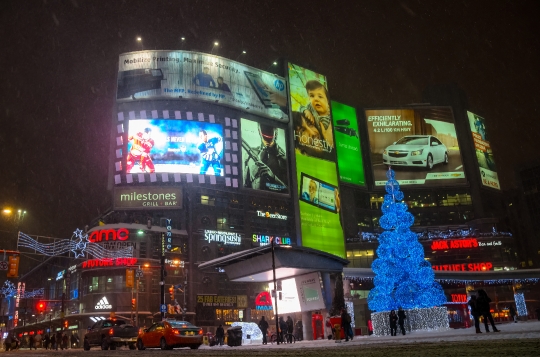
x=316, y=171
x=349, y=152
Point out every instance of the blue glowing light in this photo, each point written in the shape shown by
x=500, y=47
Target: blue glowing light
x=403, y=278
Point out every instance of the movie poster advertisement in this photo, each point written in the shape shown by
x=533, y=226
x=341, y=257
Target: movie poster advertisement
x=316, y=170
x=174, y=146
x=264, y=157
x=484, y=154
x=420, y=144
x=349, y=151
x=194, y=75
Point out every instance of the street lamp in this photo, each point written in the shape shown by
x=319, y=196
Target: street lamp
x=139, y=39
x=275, y=287
x=243, y=53
x=215, y=44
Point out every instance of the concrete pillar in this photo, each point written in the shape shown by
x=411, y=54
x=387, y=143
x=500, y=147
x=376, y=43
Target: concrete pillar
x=306, y=323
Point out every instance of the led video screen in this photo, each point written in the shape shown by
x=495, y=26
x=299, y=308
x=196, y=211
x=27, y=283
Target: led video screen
x=484, y=154
x=174, y=146
x=264, y=157
x=420, y=144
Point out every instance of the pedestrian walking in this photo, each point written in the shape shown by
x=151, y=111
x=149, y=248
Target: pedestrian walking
x=393, y=323
x=263, y=325
x=513, y=313
x=290, y=329
x=47, y=340
x=328, y=327
x=65, y=341
x=38, y=339
x=346, y=324
x=32, y=342
x=220, y=335
x=475, y=313
x=401, y=320
x=282, y=329
x=482, y=303
x=53, y=342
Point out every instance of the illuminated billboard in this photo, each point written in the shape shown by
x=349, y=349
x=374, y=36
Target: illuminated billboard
x=484, y=154
x=264, y=157
x=176, y=146
x=420, y=144
x=193, y=75
x=301, y=293
x=316, y=171
x=349, y=152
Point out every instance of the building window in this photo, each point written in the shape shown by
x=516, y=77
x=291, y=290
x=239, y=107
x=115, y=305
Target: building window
x=208, y=200
x=360, y=258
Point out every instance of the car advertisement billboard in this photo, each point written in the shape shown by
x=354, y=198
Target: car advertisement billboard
x=349, y=151
x=175, y=146
x=264, y=157
x=316, y=171
x=185, y=74
x=420, y=144
x=484, y=154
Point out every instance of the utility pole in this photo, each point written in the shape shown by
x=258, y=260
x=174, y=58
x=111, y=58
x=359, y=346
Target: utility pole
x=137, y=299
x=275, y=288
x=162, y=281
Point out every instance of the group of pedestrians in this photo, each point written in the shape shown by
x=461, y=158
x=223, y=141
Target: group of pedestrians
x=397, y=319
x=480, y=307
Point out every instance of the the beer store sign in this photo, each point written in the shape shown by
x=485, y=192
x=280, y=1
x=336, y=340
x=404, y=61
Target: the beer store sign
x=227, y=238
x=148, y=197
x=271, y=215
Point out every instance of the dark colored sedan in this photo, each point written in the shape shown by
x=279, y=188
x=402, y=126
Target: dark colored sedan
x=170, y=334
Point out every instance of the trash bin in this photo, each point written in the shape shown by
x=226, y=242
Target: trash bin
x=234, y=336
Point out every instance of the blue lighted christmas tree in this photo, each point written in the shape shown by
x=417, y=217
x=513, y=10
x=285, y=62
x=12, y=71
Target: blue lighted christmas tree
x=402, y=276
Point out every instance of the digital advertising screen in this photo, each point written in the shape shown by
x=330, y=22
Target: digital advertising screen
x=484, y=154
x=174, y=146
x=420, y=144
x=349, y=151
x=185, y=74
x=316, y=170
x=264, y=157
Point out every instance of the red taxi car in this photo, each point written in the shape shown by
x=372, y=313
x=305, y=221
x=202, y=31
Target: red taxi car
x=170, y=334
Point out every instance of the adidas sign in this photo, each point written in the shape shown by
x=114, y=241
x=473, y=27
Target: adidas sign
x=103, y=304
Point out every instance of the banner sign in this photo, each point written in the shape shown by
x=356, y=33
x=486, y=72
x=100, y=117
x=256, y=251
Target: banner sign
x=147, y=197
x=484, y=154
x=194, y=75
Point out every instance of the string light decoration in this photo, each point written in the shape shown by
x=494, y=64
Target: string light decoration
x=32, y=294
x=430, y=319
x=350, y=309
x=436, y=234
x=465, y=282
x=78, y=245
x=403, y=278
x=8, y=289
x=520, y=304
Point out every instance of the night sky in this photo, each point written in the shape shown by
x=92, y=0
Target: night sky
x=59, y=61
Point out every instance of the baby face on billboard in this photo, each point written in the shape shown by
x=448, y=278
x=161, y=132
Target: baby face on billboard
x=319, y=100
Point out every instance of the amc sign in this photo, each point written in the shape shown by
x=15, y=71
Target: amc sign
x=108, y=234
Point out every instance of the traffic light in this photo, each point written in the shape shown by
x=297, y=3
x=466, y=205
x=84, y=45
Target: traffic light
x=130, y=278
x=13, y=267
x=66, y=324
x=40, y=307
x=171, y=292
x=133, y=304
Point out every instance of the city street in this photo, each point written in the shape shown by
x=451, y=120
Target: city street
x=521, y=339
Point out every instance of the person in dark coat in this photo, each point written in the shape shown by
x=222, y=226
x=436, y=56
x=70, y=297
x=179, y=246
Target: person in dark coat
x=32, y=342
x=475, y=314
x=220, y=335
x=346, y=324
x=290, y=329
x=53, y=342
x=47, y=341
x=401, y=319
x=393, y=323
x=283, y=329
x=263, y=325
x=513, y=313
x=482, y=304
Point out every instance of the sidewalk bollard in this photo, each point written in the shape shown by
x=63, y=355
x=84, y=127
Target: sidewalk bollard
x=337, y=333
x=205, y=340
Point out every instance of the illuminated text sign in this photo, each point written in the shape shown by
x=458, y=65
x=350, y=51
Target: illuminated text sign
x=464, y=267
x=106, y=234
x=271, y=215
x=454, y=244
x=265, y=240
x=459, y=297
x=138, y=198
x=490, y=244
x=108, y=262
x=229, y=238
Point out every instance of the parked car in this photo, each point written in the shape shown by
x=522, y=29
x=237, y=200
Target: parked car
x=111, y=333
x=416, y=150
x=169, y=334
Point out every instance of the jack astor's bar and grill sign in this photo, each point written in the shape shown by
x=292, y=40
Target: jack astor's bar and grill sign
x=147, y=197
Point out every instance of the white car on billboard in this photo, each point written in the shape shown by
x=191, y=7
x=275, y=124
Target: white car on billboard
x=416, y=150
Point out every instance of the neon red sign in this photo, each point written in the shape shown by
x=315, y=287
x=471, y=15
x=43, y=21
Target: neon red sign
x=464, y=267
x=108, y=234
x=454, y=244
x=459, y=297
x=107, y=262
x=263, y=301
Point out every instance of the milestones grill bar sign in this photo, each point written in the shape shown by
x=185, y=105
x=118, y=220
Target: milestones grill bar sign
x=147, y=197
